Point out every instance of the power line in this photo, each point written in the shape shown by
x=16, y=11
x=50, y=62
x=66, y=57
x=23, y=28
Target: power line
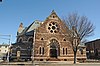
x=9, y=44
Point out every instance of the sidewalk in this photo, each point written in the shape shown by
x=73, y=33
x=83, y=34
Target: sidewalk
x=16, y=63
x=47, y=63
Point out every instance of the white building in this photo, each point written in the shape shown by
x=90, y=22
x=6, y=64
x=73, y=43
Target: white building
x=3, y=49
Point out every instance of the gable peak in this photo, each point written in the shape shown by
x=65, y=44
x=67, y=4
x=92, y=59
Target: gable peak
x=53, y=11
x=53, y=15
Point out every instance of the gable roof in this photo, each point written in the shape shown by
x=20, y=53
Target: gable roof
x=30, y=29
x=34, y=25
x=53, y=15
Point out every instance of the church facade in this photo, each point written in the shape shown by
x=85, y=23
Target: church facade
x=49, y=40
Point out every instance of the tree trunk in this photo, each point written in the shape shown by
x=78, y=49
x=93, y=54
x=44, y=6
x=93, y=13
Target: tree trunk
x=75, y=57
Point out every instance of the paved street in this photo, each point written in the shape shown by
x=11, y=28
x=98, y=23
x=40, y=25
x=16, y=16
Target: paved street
x=49, y=64
x=56, y=65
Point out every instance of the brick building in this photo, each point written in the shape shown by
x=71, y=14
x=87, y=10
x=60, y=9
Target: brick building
x=93, y=49
x=49, y=39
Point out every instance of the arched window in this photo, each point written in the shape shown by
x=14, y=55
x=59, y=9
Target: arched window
x=30, y=40
x=81, y=51
x=40, y=50
x=63, y=51
x=18, y=49
x=43, y=50
x=20, y=40
x=66, y=51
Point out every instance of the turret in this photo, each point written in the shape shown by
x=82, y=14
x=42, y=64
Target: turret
x=20, y=29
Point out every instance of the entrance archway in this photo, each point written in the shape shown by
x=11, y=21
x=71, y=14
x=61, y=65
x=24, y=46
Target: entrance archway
x=54, y=48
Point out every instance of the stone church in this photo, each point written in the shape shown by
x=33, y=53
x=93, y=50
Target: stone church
x=49, y=40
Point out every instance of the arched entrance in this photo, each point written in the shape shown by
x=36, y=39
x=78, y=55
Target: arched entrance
x=54, y=48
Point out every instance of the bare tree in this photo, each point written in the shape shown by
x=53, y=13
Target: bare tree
x=79, y=28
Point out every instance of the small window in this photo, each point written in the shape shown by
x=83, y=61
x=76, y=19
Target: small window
x=53, y=23
x=5, y=50
x=49, y=28
x=89, y=51
x=41, y=38
x=63, y=51
x=57, y=28
x=51, y=31
x=53, y=16
x=49, y=24
x=64, y=39
x=55, y=31
x=66, y=51
x=81, y=51
x=5, y=46
x=53, y=27
x=56, y=25
x=43, y=50
x=30, y=40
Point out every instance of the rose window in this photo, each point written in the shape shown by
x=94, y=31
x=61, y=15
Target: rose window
x=53, y=27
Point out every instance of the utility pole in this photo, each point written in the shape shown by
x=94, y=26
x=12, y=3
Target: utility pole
x=8, y=59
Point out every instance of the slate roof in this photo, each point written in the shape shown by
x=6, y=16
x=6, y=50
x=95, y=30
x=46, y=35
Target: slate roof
x=30, y=29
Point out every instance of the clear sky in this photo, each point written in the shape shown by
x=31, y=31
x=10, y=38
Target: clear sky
x=13, y=12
